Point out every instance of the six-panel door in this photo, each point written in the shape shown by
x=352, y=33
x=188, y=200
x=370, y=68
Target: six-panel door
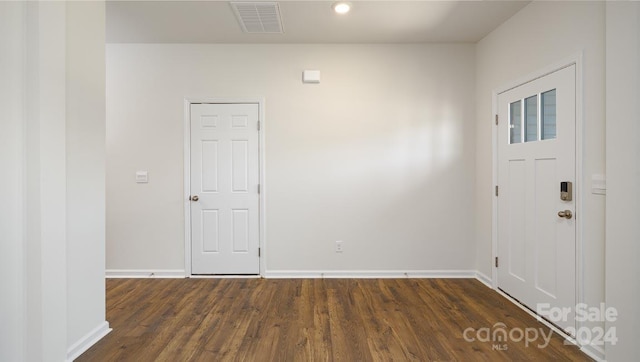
x=225, y=178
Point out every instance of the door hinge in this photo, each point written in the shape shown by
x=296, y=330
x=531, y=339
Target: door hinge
x=258, y=125
x=496, y=119
x=496, y=261
x=258, y=188
x=258, y=252
x=497, y=190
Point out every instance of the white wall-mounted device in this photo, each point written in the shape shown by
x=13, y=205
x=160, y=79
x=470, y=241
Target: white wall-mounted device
x=142, y=177
x=311, y=76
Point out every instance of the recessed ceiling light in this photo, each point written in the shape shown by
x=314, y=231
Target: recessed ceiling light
x=341, y=7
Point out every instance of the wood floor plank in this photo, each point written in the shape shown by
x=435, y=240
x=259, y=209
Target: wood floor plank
x=313, y=320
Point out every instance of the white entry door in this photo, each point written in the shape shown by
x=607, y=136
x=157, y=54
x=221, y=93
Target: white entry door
x=224, y=189
x=536, y=226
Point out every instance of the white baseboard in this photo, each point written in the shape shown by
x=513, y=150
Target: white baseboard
x=315, y=274
x=87, y=341
x=484, y=279
x=145, y=273
x=595, y=352
x=222, y=276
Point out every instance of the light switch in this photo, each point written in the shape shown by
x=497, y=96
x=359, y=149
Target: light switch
x=599, y=184
x=142, y=177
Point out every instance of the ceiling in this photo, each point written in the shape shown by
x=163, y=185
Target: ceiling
x=309, y=22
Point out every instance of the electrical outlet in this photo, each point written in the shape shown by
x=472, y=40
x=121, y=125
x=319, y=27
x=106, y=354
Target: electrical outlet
x=339, y=246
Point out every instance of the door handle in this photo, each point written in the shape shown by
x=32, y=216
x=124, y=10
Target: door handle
x=194, y=198
x=566, y=214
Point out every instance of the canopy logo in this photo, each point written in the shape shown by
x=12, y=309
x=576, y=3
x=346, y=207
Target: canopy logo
x=499, y=335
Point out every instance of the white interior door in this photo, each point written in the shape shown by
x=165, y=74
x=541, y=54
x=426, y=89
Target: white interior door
x=536, y=152
x=224, y=189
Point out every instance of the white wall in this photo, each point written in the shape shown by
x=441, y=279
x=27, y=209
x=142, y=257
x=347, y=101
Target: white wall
x=379, y=155
x=45, y=216
x=53, y=248
x=523, y=45
x=623, y=177
x=12, y=302
x=85, y=168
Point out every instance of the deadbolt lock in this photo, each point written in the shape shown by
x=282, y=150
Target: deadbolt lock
x=566, y=191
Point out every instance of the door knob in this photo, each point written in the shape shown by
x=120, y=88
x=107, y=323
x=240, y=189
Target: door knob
x=566, y=214
x=194, y=198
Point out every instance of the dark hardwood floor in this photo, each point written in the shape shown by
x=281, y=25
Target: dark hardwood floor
x=317, y=320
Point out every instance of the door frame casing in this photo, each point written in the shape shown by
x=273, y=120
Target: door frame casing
x=188, y=101
x=576, y=60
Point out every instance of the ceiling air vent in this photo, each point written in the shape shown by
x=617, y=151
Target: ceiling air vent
x=258, y=17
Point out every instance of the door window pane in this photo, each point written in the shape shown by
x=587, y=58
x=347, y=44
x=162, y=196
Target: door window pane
x=548, y=115
x=531, y=119
x=515, y=122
